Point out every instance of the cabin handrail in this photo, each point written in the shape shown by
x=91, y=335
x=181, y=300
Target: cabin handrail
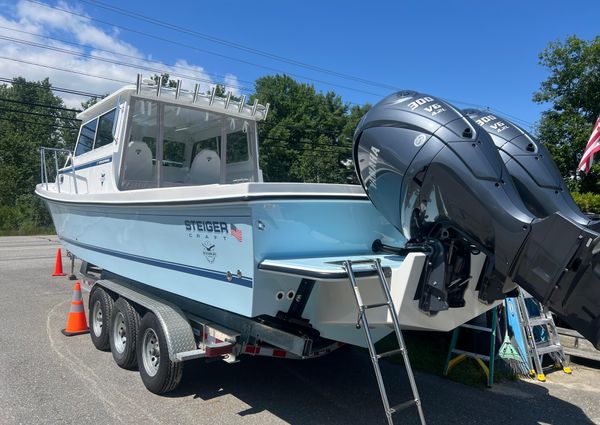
x=44, y=168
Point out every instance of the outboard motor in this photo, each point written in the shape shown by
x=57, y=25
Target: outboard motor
x=436, y=176
x=532, y=169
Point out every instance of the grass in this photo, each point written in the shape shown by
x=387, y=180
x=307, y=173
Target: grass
x=35, y=231
x=427, y=352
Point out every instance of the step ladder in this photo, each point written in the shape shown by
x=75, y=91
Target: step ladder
x=537, y=349
x=375, y=357
x=461, y=355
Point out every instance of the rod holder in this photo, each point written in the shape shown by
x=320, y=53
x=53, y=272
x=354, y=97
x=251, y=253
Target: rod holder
x=227, y=100
x=213, y=93
x=138, y=84
x=178, y=89
x=196, y=91
x=254, y=107
x=158, y=86
x=242, y=103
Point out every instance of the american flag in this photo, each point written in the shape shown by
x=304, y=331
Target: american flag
x=236, y=233
x=593, y=146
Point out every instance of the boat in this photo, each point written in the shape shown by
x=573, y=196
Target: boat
x=164, y=187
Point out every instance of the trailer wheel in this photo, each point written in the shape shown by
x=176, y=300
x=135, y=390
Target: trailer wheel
x=158, y=372
x=101, y=305
x=124, y=324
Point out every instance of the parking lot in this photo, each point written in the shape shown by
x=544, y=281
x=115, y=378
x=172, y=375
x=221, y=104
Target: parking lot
x=46, y=377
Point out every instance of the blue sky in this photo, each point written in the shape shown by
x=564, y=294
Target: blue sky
x=469, y=51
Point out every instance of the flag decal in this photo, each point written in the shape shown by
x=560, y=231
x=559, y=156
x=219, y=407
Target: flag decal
x=236, y=233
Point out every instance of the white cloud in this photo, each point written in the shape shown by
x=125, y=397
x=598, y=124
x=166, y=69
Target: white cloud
x=232, y=84
x=44, y=21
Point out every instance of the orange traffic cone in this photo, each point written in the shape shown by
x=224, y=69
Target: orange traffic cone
x=76, y=321
x=58, y=271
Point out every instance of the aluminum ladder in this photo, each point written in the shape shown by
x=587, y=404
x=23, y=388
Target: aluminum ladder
x=536, y=350
x=375, y=357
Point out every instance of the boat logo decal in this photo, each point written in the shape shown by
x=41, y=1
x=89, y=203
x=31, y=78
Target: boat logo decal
x=420, y=139
x=209, y=251
x=101, y=161
x=212, y=229
x=373, y=157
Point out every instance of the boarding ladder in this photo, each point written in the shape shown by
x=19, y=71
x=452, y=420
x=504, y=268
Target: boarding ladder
x=537, y=349
x=375, y=357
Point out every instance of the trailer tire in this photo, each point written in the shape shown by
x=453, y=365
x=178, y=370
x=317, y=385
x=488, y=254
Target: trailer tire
x=158, y=372
x=101, y=305
x=124, y=325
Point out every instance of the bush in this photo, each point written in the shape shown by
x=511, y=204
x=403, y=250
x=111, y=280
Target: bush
x=28, y=216
x=588, y=202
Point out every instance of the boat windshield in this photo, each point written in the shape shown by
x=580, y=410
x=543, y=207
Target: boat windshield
x=172, y=145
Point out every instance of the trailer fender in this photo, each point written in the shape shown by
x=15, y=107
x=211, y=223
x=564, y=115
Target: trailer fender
x=176, y=327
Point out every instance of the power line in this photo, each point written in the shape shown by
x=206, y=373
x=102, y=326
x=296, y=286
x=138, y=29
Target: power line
x=39, y=123
x=66, y=70
x=188, y=46
x=38, y=114
x=119, y=54
x=3, y=99
x=114, y=62
x=330, y=147
x=157, y=22
x=318, y=147
x=164, y=24
x=487, y=108
x=317, y=130
x=53, y=88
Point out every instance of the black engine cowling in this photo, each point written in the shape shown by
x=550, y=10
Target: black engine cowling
x=438, y=177
x=532, y=169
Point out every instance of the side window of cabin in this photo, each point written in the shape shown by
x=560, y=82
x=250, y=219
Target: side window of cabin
x=139, y=161
x=105, y=129
x=86, y=137
x=238, y=167
x=237, y=147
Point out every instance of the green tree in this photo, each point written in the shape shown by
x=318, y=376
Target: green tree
x=31, y=116
x=573, y=91
x=308, y=135
x=165, y=80
x=92, y=101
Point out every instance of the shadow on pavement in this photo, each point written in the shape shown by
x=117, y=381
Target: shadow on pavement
x=340, y=389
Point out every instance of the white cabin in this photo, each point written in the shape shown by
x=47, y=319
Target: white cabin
x=147, y=136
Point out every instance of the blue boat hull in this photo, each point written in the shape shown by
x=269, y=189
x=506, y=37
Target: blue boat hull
x=210, y=253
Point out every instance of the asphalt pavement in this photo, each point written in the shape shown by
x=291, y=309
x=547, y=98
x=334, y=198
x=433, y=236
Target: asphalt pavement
x=47, y=378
